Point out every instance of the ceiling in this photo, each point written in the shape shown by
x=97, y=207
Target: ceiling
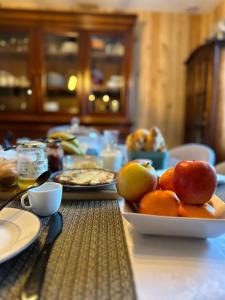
x=194, y=6
x=157, y=5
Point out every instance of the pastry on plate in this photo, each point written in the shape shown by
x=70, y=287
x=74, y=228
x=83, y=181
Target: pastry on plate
x=84, y=177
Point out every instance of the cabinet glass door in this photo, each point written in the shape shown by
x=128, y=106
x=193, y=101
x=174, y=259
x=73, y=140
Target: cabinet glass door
x=61, y=73
x=107, y=79
x=15, y=85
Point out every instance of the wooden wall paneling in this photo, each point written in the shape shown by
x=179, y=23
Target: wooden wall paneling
x=171, y=124
x=220, y=136
x=219, y=12
x=166, y=41
x=162, y=70
x=164, y=45
x=180, y=42
x=203, y=24
x=207, y=22
x=143, y=65
x=195, y=34
x=154, y=81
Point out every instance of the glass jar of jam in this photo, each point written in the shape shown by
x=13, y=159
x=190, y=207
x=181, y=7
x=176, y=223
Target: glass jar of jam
x=55, y=155
x=31, y=162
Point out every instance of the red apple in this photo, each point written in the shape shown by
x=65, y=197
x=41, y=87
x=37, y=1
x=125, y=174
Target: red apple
x=135, y=179
x=194, y=181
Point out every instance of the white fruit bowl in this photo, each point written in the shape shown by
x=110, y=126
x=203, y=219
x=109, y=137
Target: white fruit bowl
x=179, y=226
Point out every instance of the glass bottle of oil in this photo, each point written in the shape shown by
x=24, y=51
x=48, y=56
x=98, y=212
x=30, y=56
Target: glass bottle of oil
x=31, y=162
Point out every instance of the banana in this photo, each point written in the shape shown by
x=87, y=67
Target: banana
x=63, y=135
x=70, y=145
x=71, y=148
x=75, y=142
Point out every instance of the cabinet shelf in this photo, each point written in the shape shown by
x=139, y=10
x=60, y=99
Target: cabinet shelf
x=107, y=58
x=13, y=53
x=104, y=89
x=40, y=55
x=60, y=91
x=61, y=55
x=7, y=89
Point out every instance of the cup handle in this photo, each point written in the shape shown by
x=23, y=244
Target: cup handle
x=23, y=203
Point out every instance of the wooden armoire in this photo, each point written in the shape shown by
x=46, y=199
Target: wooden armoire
x=55, y=66
x=205, y=97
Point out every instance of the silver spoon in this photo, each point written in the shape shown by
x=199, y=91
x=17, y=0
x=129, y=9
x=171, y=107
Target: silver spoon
x=39, y=181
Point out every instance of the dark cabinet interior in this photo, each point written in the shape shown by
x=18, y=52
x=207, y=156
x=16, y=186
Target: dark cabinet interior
x=55, y=66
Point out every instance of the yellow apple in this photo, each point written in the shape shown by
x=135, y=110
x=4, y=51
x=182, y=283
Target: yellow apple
x=135, y=179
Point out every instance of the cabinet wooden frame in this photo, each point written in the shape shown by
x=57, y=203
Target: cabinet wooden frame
x=37, y=23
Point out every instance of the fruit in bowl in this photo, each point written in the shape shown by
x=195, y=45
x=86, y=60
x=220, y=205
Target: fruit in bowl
x=186, y=190
x=196, y=211
x=166, y=180
x=194, y=181
x=135, y=179
x=160, y=203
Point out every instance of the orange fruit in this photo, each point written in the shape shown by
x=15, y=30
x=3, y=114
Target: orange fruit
x=161, y=203
x=166, y=180
x=196, y=211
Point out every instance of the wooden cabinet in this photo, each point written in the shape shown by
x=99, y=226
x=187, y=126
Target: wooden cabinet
x=205, y=97
x=55, y=66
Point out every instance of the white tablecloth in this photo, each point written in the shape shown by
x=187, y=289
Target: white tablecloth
x=167, y=268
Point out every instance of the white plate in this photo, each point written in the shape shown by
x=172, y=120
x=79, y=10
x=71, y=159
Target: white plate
x=18, y=229
x=179, y=226
x=220, y=177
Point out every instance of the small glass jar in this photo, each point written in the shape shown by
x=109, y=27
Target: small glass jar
x=31, y=162
x=55, y=155
x=111, y=154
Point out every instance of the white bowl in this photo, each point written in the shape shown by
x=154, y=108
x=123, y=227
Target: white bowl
x=179, y=226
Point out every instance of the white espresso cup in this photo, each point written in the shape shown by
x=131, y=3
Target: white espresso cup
x=44, y=200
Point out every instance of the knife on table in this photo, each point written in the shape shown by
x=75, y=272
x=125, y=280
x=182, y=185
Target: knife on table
x=33, y=285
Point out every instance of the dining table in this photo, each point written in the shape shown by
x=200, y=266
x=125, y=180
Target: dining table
x=99, y=255
x=176, y=268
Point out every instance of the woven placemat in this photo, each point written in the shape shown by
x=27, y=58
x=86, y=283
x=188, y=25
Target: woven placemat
x=89, y=260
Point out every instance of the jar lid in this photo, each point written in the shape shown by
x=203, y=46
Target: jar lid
x=33, y=144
